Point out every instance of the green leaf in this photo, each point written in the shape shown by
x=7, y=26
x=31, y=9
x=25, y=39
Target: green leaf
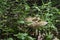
x=27, y=8
x=22, y=22
x=29, y=38
x=21, y=35
x=9, y=39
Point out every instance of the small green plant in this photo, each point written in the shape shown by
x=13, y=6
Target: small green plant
x=24, y=36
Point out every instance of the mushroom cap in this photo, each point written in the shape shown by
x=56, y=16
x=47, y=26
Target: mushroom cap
x=35, y=22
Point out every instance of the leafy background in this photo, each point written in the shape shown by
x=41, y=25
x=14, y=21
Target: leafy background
x=14, y=12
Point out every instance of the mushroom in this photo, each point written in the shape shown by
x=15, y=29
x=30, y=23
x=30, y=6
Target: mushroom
x=35, y=22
